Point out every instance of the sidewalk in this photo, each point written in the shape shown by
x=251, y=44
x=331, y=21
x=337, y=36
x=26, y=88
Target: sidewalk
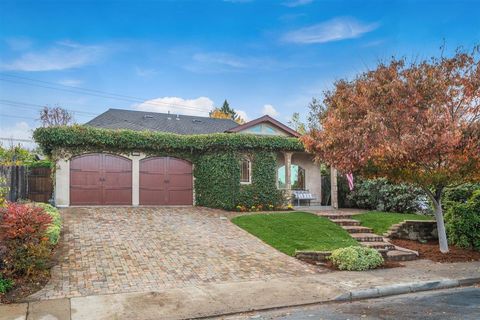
x=226, y=298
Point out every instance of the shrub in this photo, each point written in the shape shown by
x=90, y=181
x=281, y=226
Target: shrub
x=381, y=195
x=356, y=258
x=23, y=233
x=463, y=222
x=459, y=194
x=53, y=230
x=3, y=191
x=5, y=284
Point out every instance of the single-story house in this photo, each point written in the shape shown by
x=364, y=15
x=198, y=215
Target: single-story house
x=136, y=175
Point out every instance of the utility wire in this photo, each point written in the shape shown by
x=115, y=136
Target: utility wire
x=92, y=92
x=31, y=106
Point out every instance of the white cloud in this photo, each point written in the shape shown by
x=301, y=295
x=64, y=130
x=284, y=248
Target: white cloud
x=20, y=130
x=297, y=3
x=70, y=82
x=332, y=30
x=270, y=110
x=217, y=62
x=242, y=114
x=200, y=106
x=63, y=55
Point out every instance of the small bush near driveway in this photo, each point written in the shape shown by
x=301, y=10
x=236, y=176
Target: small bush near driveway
x=356, y=258
x=380, y=222
x=288, y=232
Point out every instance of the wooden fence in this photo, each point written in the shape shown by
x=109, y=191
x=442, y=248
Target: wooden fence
x=27, y=183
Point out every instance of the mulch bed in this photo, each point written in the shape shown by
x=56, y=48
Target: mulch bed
x=24, y=287
x=431, y=251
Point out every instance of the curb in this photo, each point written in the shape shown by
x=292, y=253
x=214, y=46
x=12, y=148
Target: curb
x=395, y=289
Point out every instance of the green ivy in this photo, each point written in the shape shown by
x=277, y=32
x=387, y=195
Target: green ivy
x=217, y=180
x=263, y=190
x=78, y=139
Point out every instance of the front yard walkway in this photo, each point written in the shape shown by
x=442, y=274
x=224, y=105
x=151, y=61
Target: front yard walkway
x=116, y=250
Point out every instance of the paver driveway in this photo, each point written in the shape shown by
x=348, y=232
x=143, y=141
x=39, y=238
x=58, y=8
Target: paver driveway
x=111, y=250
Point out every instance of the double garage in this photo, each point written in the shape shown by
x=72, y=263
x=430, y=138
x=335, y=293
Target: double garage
x=108, y=179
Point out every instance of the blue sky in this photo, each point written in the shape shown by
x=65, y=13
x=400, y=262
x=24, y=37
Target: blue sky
x=188, y=56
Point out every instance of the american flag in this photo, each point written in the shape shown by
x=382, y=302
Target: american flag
x=350, y=181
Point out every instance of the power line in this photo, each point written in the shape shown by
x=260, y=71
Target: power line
x=32, y=106
x=19, y=117
x=16, y=139
x=98, y=93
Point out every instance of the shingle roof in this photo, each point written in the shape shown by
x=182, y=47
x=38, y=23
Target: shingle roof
x=141, y=120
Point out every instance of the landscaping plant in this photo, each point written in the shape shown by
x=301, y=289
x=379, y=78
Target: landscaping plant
x=463, y=222
x=416, y=123
x=23, y=233
x=356, y=258
x=382, y=195
x=5, y=284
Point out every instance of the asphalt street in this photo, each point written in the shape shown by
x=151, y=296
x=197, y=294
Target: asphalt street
x=459, y=303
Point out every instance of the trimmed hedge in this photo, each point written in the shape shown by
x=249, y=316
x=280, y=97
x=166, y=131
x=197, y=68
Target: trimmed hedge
x=80, y=139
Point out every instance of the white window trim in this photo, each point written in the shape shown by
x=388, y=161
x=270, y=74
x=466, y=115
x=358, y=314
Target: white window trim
x=249, y=172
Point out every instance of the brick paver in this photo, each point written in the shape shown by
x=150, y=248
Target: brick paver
x=113, y=250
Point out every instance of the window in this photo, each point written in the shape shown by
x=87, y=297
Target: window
x=245, y=171
x=297, y=177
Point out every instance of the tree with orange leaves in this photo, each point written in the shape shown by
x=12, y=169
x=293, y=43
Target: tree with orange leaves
x=411, y=122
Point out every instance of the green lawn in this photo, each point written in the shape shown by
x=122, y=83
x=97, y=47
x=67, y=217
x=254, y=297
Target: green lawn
x=292, y=231
x=380, y=222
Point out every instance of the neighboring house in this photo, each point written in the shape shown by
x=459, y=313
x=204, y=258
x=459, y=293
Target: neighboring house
x=140, y=179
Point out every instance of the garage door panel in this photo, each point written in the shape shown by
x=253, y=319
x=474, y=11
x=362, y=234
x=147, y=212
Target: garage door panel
x=152, y=197
x=84, y=179
x=179, y=197
x=153, y=165
x=177, y=166
x=152, y=181
x=117, y=197
x=180, y=182
x=166, y=181
x=100, y=179
x=118, y=179
x=86, y=196
x=90, y=162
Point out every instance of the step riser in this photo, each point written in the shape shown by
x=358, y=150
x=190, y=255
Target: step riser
x=406, y=257
x=335, y=217
x=368, y=239
x=381, y=247
x=347, y=223
x=358, y=230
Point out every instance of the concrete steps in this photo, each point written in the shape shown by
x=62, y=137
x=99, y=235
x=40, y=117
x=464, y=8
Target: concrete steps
x=367, y=238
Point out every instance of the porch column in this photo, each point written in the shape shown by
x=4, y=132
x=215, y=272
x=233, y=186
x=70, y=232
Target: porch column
x=333, y=187
x=288, y=180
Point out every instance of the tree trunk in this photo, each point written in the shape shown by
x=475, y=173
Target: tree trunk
x=437, y=206
x=442, y=234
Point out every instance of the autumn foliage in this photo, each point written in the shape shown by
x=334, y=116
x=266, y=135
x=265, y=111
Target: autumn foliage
x=415, y=122
x=26, y=247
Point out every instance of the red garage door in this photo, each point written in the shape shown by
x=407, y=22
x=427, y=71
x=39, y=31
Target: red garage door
x=100, y=179
x=166, y=181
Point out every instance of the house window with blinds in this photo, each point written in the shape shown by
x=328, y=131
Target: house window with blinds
x=245, y=171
